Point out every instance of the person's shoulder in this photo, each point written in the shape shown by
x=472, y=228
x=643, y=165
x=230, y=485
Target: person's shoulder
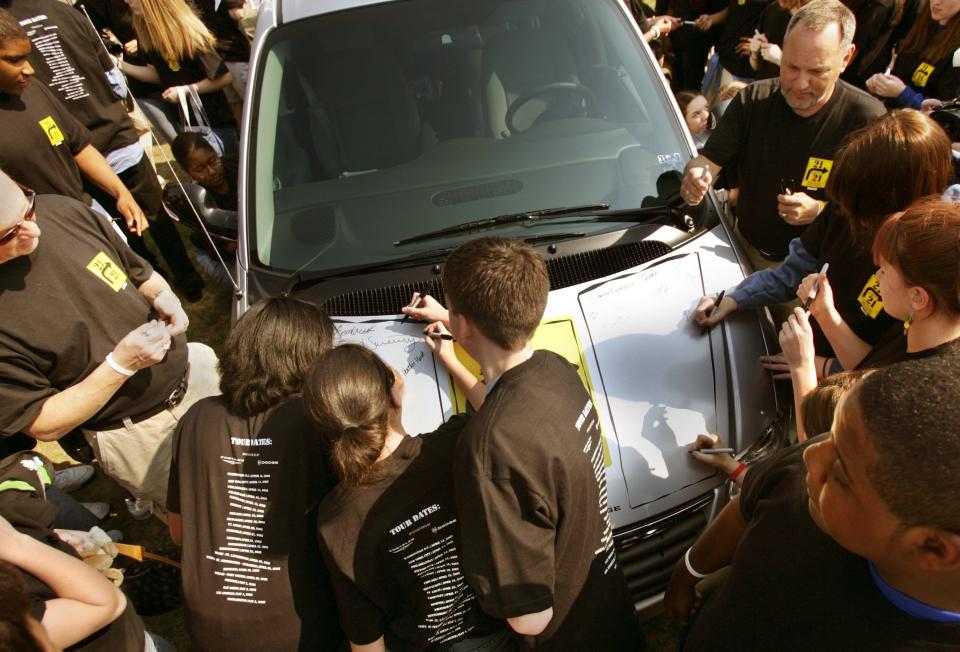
x=860, y=102
x=333, y=509
x=448, y=431
x=773, y=474
x=71, y=214
x=758, y=91
x=210, y=407
x=48, y=204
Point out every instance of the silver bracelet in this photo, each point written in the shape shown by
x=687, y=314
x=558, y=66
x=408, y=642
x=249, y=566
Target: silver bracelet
x=116, y=366
x=686, y=561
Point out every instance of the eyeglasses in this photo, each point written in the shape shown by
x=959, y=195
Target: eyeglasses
x=28, y=216
x=206, y=169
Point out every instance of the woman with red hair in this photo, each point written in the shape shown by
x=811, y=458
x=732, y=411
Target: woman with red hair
x=918, y=256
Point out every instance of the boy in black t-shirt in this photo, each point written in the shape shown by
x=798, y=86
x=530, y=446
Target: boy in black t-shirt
x=859, y=550
x=530, y=490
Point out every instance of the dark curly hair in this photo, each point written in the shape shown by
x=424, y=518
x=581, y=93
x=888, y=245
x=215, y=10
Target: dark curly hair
x=268, y=352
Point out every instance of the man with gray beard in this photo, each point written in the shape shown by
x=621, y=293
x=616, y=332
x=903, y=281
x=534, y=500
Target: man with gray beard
x=781, y=134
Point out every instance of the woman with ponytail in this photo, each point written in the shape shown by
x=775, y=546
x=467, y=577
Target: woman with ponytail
x=389, y=530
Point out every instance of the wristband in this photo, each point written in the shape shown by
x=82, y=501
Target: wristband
x=737, y=472
x=123, y=371
x=686, y=561
x=820, y=206
x=656, y=33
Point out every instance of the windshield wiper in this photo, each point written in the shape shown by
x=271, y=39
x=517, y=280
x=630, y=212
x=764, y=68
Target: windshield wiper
x=588, y=214
x=299, y=280
x=500, y=220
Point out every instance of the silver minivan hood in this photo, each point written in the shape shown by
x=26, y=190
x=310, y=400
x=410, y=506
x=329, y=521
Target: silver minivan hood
x=652, y=373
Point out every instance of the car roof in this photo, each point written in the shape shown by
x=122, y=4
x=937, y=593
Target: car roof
x=291, y=10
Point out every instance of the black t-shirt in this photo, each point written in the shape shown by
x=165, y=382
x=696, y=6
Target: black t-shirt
x=853, y=278
x=246, y=489
x=38, y=141
x=773, y=24
x=65, y=307
x=70, y=58
x=768, y=142
x=232, y=45
x=872, y=40
x=207, y=65
x=392, y=550
x=792, y=587
x=894, y=349
x=687, y=36
x=743, y=16
x=114, y=15
x=531, y=496
x=937, y=79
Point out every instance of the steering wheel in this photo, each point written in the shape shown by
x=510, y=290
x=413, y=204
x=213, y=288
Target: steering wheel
x=568, y=88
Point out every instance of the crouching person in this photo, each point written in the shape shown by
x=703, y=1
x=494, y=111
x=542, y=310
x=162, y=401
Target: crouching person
x=92, y=337
x=849, y=543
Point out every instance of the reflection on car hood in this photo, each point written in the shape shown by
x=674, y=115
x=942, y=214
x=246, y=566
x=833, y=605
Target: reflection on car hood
x=648, y=369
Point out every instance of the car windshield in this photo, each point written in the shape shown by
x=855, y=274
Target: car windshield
x=390, y=120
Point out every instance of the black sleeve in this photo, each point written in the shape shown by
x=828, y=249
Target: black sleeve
x=764, y=476
x=213, y=65
x=23, y=390
x=361, y=619
x=76, y=134
x=507, y=535
x=726, y=140
x=947, y=84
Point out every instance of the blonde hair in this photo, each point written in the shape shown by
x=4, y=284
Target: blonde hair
x=170, y=28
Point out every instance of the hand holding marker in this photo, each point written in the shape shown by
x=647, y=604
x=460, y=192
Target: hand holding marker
x=816, y=288
x=713, y=311
x=414, y=302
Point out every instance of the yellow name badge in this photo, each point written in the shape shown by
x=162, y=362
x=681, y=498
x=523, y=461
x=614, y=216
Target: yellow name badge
x=817, y=172
x=108, y=271
x=558, y=335
x=871, y=303
x=54, y=135
x=922, y=74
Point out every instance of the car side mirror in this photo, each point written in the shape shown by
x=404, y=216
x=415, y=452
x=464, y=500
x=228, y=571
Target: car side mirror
x=222, y=224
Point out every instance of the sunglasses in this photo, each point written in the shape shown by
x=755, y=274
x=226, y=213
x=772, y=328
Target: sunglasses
x=28, y=216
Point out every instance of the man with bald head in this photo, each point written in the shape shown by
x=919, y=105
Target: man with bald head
x=92, y=337
x=781, y=134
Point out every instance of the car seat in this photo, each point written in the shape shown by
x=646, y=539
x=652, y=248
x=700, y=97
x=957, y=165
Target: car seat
x=522, y=53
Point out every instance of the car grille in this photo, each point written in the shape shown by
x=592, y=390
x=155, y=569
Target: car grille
x=648, y=553
x=564, y=271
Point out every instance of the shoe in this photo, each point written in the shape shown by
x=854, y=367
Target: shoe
x=190, y=287
x=139, y=509
x=115, y=535
x=100, y=510
x=72, y=477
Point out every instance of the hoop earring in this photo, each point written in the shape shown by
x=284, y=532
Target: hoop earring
x=907, y=322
